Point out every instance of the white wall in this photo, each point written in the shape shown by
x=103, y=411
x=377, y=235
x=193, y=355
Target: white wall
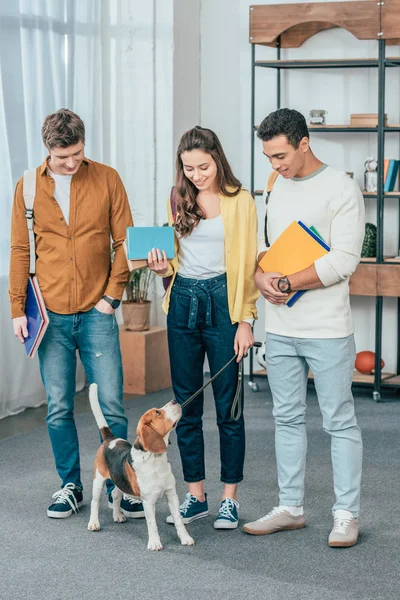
x=186, y=82
x=225, y=107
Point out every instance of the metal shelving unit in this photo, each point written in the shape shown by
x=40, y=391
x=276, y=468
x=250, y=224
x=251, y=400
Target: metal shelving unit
x=379, y=379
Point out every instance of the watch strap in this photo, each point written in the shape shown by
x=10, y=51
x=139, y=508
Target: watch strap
x=112, y=301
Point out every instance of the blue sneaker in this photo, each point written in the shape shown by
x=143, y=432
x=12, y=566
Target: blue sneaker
x=66, y=502
x=130, y=507
x=228, y=517
x=191, y=509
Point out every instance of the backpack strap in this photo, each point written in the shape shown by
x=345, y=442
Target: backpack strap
x=270, y=184
x=29, y=193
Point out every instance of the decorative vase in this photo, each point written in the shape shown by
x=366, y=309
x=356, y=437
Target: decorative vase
x=136, y=315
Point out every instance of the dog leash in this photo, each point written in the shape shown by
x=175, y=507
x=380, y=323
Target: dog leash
x=236, y=409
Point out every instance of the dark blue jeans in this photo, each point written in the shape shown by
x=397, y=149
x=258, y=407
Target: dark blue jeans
x=95, y=335
x=199, y=324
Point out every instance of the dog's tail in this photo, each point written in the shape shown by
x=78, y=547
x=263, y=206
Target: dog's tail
x=102, y=424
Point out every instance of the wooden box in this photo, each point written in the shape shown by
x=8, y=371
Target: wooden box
x=365, y=120
x=145, y=360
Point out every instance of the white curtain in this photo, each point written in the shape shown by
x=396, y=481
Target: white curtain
x=110, y=61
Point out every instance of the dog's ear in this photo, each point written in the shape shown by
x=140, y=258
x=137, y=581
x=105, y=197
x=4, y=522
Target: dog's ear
x=137, y=444
x=151, y=440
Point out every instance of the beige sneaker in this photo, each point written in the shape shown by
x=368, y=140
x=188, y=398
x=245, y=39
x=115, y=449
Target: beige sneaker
x=345, y=530
x=276, y=520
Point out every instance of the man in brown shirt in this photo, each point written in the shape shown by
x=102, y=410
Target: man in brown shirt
x=79, y=206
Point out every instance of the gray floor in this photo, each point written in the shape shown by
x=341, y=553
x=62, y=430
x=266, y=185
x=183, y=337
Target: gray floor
x=45, y=559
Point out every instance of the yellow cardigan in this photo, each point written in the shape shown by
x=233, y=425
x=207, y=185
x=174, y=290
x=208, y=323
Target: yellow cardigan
x=239, y=217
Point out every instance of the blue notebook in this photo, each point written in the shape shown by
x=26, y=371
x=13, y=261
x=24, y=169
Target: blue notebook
x=311, y=231
x=36, y=315
x=141, y=240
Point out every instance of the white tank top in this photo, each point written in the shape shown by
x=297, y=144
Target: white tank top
x=202, y=253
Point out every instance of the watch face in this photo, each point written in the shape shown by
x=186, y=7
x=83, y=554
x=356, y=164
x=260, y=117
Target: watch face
x=283, y=284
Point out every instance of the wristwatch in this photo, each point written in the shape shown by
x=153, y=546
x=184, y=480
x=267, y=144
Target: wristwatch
x=112, y=301
x=284, y=285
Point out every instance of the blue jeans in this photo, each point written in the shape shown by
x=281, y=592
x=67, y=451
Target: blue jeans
x=199, y=324
x=332, y=364
x=95, y=335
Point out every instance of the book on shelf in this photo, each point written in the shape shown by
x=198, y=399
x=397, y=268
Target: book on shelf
x=391, y=174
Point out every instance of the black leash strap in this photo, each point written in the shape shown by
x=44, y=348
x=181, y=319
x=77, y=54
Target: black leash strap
x=236, y=409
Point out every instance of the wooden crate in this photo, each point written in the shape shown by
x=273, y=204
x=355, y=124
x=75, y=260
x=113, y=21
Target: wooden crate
x=145, y=360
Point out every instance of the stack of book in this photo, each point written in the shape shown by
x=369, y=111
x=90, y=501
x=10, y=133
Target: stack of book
x=37, y=317
x=296, y=249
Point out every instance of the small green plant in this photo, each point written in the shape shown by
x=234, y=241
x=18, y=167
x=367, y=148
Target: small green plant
x=137, y=288
x=369, y=244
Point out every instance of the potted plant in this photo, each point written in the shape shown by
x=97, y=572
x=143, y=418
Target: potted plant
x=136, y=307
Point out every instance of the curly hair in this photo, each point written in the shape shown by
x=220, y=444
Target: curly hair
x=62, y=129
x=284, y=121
x=189, y=213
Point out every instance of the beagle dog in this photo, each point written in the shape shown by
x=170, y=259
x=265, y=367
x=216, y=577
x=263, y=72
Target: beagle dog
x=141, y=470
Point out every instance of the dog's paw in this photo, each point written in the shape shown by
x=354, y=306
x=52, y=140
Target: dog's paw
x=93, y=526
x=120, y=518
x=186, y=540
x=154, y=545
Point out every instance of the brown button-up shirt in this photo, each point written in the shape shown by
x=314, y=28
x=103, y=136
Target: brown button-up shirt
x=73, y=260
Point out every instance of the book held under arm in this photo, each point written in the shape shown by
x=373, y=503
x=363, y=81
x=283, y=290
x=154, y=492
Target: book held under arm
x=296, y=249
x=35, y=309
x=36, y=316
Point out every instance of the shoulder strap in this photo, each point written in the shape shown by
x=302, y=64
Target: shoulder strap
x=173, y=200
x=271, y=181
x=29, y=193
x=270, y=184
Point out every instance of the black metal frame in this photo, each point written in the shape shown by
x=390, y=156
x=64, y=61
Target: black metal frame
x=381, y=63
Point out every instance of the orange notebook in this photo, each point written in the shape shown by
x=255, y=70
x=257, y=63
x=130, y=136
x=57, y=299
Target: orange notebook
x=294, y=250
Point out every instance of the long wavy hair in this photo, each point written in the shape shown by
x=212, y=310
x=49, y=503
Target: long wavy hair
x=189, y=213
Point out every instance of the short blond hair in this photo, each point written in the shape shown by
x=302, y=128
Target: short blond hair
x=62, y=129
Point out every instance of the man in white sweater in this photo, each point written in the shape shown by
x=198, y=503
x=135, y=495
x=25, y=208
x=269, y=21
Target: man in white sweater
x=316, y=333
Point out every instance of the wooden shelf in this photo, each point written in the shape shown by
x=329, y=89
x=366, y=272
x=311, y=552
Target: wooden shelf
x=296, y=25
x=395, y=380
x=327, y=63
x=385, y=195
x=388, y=259
x=365, y=194
x=357, y=377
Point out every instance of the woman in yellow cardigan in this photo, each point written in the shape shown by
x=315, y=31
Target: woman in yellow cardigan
x=211, y=305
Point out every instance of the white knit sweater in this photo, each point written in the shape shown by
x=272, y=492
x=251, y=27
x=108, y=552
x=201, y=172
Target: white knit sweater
x=333, y=203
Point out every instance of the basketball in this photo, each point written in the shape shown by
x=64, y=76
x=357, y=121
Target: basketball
x=365, y=362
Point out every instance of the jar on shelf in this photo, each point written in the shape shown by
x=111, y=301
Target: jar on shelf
x=317, y=117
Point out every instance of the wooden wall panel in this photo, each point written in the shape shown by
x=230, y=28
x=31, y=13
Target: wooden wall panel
x=388, y=282
x=293, y=21
x=363, y=282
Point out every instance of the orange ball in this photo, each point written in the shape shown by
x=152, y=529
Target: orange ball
x=365, y=362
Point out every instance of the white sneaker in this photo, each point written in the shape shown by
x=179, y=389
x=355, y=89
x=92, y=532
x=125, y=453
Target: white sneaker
x=345, y=530
x=278, y=519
